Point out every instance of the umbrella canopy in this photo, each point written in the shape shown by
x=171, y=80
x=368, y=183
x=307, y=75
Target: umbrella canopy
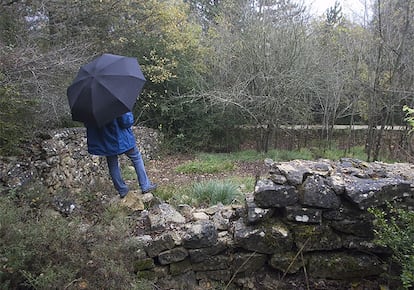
x=105, y=88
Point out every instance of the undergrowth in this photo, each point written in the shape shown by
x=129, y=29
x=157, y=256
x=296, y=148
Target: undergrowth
x=42, y=249
x=394, y=228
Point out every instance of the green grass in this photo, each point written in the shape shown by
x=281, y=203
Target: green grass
x=128, y=172
x=174, y=195
x=206, y=161
x=206, y=166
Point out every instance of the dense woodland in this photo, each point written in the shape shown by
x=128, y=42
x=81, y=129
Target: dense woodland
x=213, y=66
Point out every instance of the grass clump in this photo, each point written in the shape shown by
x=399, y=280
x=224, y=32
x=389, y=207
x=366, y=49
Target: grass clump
x=207, y=193
x=213, y=192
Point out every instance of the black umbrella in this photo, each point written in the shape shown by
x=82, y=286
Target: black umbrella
x=105, y=88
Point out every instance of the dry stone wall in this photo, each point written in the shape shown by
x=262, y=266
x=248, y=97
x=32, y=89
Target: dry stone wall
x=60, y=160
x=303, y=217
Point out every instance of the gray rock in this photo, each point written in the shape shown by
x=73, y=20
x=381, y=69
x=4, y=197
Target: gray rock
x=215, y=275
x=316, y=238
x=135, y=246
x=159, y=244
x=341, y=213
x=220, y=222
x=65, y=207
x=262, y=239
x=364, y=245
x=278, y=178
x=161, y=215
x=186, y=211
x=370, y=192
x=293, y=171
x=248, y=262
x=337, y=183
x=317, y=193
x=256, y=214
x=287, y=262
x=268, y=194
x=199, y=255
x=212, y=263
x=199, y=215
x=303, y=215
x=172, y=256
x=296, y=170
x=214, y=208
x=181, y=267
x=360, y=228
x=61, y=160
x=200, y=234
x=344, y=266
x=353, y=167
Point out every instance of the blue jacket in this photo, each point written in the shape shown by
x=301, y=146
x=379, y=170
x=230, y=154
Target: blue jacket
x=114, y=138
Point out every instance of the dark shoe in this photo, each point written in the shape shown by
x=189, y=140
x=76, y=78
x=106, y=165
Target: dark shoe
x=151, y=188
x=123, y=195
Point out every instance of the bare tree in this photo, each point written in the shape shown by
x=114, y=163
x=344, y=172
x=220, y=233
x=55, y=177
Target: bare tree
x=260, y=64
x=391, y=80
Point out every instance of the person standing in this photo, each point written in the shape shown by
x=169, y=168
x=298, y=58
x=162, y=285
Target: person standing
x=113, y=139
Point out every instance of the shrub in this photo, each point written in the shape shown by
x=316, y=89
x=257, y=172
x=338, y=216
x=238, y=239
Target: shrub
x=41, y=249
x=394, y=228
x=33, y=248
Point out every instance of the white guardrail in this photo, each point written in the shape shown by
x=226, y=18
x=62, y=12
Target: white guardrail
x=340, y=127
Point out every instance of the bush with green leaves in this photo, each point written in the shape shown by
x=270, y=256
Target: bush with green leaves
x=394, y=228
x=409, y=116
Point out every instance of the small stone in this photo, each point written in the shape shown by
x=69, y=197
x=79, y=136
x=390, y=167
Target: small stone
x=133, y=202
x=198, y=216
x=147, y=197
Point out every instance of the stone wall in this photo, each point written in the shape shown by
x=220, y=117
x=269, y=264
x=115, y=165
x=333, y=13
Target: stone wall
x=303, y=217
x=60, y=160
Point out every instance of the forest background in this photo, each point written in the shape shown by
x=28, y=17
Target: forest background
x=214, y=67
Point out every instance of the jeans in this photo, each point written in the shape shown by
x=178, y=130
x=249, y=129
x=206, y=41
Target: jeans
x=113, y=164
